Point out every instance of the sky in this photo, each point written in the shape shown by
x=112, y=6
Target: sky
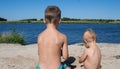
x=81, y=9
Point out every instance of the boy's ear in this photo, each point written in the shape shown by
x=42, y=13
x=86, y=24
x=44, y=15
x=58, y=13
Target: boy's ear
x=59, y=21
x=44, y=21
x=94, y=39
x=86, y=41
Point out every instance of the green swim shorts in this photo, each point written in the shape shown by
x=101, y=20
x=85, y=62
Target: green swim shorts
x=62, y=66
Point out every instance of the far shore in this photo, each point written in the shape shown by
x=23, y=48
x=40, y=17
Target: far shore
x=68, y=22
x=16, y=56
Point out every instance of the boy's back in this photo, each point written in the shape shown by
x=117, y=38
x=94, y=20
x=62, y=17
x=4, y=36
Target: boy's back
x=50, y=44
x=93, y=58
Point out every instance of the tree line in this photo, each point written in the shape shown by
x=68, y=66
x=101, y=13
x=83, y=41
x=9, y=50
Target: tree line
x=67, y=19
x=3, y=19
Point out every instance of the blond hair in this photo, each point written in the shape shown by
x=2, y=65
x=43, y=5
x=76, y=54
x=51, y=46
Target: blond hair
x=92, y=36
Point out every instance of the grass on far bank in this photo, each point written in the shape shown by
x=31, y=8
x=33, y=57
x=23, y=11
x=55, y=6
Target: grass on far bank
x=13, y=37
x=81, y=44
x=66, y=22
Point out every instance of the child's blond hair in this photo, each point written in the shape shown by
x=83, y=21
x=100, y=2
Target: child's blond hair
x=92, y=35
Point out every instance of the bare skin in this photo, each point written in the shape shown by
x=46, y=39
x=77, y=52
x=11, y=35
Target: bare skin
x=50, y=44
x=91, y=58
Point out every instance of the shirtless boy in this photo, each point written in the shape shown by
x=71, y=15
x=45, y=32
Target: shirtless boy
x=91, y=57
x=51, y=42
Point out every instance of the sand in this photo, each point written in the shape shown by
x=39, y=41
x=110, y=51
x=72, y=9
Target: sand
x=15, y=56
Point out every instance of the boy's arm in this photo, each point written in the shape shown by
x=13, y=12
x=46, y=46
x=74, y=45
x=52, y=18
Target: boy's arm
x=65, y=49
x=83, y=57
x=38, y=42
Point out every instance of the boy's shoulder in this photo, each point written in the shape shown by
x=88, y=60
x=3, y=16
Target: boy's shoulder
x=87, y=51
x=41, y=35
x=63, y=35
x=59, y=33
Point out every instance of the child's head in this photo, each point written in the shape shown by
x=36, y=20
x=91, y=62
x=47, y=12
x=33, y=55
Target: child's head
x=52, y=14
x=89, y=36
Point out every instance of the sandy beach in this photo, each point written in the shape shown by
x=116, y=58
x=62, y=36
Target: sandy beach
x=15, y=56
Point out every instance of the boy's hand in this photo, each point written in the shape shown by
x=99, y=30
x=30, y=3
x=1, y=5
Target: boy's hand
x=79, y=58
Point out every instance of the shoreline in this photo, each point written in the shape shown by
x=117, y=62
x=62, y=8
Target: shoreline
x=64, y=22
x=79, y=44
x=16, y=56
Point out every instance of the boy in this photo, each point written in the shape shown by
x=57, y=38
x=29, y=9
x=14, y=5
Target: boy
x=51, y=42
x=91, y=57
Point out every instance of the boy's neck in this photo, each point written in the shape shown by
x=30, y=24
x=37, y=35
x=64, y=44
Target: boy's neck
x=92, y=44
x=51, y=26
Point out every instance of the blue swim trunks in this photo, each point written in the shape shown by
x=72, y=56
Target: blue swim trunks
x=62, y=66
